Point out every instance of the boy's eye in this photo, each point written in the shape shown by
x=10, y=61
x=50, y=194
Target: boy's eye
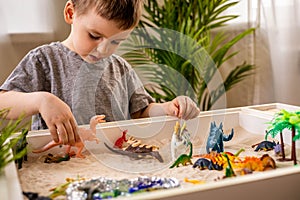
x=94, y=37
x=115, y=42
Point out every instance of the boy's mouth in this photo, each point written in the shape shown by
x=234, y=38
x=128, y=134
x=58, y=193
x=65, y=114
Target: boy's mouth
x=94, y=58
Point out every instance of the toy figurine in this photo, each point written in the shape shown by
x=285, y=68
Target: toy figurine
x=216, y=161
x=229, y=170
x=278, y=149
x=286, y=120
x=180, y=139
x=21, y=146
x=85, y=135
x=216, y=138
x=193, y=181
x=50, y=158
x=35, y=196
x=264, y=145
x=205, y=163
x=184, y=159
x=252, y=163
x=135, y=149
x=120, y=141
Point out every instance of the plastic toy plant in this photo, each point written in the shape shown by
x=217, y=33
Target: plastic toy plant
x=85, y=135
x=180, y=139
x=61, y=189
x=286, y=120
x=228, y=170
x=184, y=159
x=216, y=138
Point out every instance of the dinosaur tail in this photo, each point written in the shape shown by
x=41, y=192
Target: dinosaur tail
x=175, y=163
x=46, y=147
x=156, y=155
x=228, y=137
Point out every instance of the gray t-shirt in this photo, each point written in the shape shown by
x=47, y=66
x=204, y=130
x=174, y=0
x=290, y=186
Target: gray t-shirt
x=110, y=87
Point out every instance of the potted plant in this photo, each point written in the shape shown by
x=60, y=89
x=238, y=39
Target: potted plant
x=9, y=138
x=179, y=55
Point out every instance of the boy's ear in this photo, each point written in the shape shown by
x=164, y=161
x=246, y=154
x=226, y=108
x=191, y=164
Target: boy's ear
x=69, y=12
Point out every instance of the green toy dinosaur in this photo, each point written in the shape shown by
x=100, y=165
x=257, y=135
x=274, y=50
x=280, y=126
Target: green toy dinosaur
x=184, y=159
x=229, y=172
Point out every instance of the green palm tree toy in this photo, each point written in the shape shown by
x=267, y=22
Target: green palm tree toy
x=286, y=120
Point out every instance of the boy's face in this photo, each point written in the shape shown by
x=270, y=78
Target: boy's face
x=93, y=37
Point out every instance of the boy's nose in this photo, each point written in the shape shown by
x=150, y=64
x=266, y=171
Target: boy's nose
x=103, y=46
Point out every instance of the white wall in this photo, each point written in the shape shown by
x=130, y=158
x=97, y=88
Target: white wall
x=26, y=24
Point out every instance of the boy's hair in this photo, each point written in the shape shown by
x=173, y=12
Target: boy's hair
x=125, y=12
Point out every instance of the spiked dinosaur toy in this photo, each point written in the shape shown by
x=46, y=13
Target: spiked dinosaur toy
x=134, y=148
x=216, y=138
x=84, y=134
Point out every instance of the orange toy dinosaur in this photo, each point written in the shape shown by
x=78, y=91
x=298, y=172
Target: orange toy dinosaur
x=84, y=134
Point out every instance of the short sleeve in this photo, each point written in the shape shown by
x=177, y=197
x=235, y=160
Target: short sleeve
x=139, y=97
x=28, y=76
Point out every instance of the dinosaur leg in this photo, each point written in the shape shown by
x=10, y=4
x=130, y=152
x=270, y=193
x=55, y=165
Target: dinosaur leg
x=79, y=147
x=47, y=147
x=68, y=149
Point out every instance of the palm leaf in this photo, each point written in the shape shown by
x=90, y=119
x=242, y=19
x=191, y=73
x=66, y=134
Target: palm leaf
x=179, y=56
x=9, y=139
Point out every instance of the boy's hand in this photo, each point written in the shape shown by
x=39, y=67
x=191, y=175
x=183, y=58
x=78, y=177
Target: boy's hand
x=59, y=119
x=183, y=107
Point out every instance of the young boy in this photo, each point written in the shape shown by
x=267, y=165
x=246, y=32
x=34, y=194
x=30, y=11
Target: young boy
x=65, y=83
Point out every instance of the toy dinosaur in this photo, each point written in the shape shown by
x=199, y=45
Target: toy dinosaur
x=205, y=163
x=50, y=158
x=180, y=139
x=85, y=135
x=21, y=146
x=216, y=138
x=216, y=161
x=265, y=145
x=184, y=159
x=120, y=141
x=229, y=172
x=137, y=150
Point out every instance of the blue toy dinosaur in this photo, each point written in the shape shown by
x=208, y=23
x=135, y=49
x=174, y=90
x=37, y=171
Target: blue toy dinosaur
x=216, y=138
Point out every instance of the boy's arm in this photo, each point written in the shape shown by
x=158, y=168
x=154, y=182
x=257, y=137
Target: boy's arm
x=181, y=107
x=56, y=113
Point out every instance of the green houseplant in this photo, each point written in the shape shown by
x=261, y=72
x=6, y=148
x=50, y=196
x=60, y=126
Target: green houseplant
x=179, y=55
x=9, y=139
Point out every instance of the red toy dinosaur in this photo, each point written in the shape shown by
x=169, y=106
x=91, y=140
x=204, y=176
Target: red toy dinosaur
x=119, y=142
x=85, y=135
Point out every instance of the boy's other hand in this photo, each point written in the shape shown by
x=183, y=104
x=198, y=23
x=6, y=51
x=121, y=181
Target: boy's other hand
x=183, y=107
x=59, y=119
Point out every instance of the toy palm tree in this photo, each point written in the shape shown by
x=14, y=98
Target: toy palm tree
x=286, y=120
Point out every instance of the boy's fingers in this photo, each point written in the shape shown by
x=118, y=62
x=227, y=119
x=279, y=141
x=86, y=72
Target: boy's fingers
x=63, y=134
x=54, y=134
x=70, y=133
x=75, y=130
